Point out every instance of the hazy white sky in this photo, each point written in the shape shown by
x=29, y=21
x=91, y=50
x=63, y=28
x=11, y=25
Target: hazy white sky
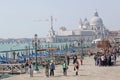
x=24, y=18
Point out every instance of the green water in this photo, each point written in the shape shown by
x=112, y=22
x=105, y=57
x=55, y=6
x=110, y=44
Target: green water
x=28, y=45
x=2, y=76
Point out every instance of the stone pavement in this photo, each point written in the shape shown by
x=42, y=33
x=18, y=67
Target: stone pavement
x=88, y=71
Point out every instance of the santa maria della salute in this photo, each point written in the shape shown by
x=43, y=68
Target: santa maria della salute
x=87, y=31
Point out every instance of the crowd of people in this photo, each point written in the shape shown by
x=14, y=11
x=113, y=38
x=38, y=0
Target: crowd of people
x=107, y=57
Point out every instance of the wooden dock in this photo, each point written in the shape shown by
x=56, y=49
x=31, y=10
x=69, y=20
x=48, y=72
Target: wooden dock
x=12, y=68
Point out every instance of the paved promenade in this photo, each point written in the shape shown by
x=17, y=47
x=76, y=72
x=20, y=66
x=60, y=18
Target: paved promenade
x=88, y=71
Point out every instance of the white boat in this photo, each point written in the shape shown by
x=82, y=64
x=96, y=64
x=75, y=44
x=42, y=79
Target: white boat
x=96, y=40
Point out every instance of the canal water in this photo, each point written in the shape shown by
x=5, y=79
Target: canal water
x=29, y=48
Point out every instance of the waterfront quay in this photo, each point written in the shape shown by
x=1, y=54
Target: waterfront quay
x=88, y=71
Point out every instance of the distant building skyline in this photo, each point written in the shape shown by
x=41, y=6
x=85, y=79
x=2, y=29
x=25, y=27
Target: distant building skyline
x=87, y=31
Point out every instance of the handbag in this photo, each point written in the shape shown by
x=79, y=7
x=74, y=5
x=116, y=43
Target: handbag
x=74, y=69
x=67, y=67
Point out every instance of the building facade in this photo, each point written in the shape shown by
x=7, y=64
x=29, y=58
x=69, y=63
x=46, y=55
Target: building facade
x=87, y=31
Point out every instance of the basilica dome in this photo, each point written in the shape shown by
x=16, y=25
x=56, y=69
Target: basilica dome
x=63, y=28
x=96, y=20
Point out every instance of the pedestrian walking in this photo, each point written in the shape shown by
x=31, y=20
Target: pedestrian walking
x=47, y=65
x=52, y=68
x=76, y=66
x=27, y=67
x=81, y=60
x=65, y=67
x=31, y=69
x=68, y=59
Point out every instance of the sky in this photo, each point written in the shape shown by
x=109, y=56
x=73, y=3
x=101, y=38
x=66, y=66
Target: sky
x=24, y=18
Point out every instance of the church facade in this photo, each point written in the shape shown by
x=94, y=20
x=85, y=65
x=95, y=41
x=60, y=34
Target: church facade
x=87, y=31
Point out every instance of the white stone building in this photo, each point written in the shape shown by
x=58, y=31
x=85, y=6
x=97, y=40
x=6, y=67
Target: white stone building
x=87, y=31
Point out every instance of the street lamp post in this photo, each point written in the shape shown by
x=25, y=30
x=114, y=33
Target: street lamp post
x=35, y=43
x=82, y=46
